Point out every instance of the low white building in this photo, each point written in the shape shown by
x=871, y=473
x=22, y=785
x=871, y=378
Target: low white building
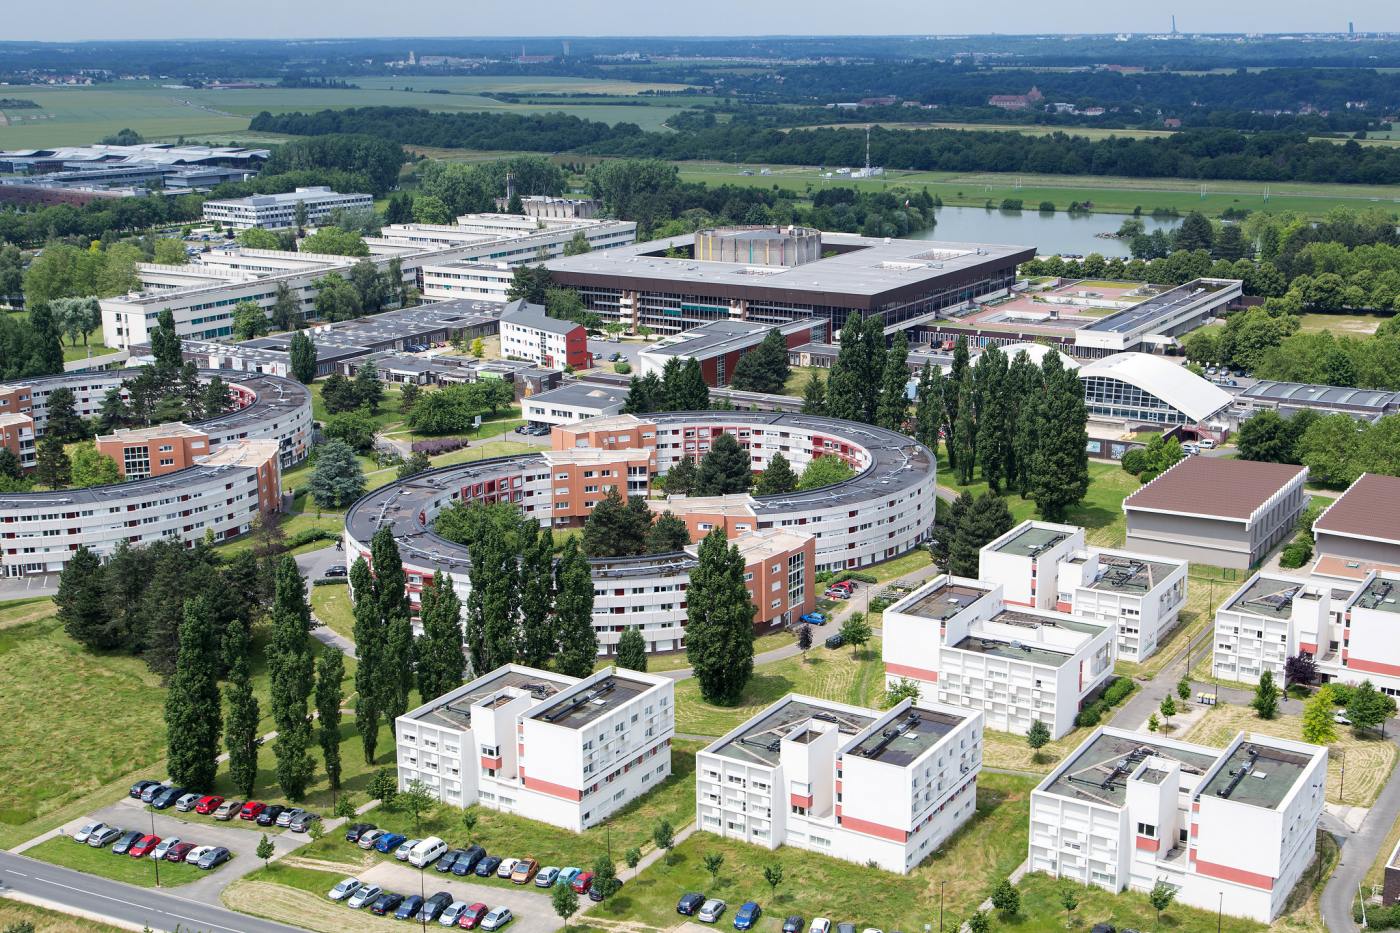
x=574, y=402
x=480, y=281
x=1025, y=559
x=858, y=784
x=556, y=749
x=528, y=333
x=1268, y=620
x=279, y=211
x=1142, y=596
x=1230, y=829
x=961, y=643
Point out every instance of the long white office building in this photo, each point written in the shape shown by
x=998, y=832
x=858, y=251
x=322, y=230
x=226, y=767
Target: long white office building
x=557, y=749
x=963, y=644
x=279, y=211
x=864, y=785
x=1230, y=829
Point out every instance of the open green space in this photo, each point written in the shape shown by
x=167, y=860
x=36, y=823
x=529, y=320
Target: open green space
x=45, y=920
x=1353, y=324
x=138, y=871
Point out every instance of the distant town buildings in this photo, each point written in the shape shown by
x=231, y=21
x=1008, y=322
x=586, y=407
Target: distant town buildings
x=279, y=211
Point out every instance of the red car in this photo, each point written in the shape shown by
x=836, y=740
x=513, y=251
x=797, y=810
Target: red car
x=178, y=853
x=142, y=847
x=208, y=804
x=581, y=883
x=472, y=916
x=251, y=810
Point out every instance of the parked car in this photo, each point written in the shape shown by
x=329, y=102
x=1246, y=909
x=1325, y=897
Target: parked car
x=567, y=875
x=286, y=816
x=449, y=858
x=595, y=892
x=405, y=847
x=251, y=810
x=487, y=866
x=1205, y=444
x=346, y=888
x=814, y=618
x=466, y=862
x=104, y=837
x=426, y=852
x=689, y=904
x=452, y=913
x=153, y=791
x=820, y=925
x=85, y=831
x=409, y=908
x=197, y=853
x=336, y=571
x=844, y=927
x=177, y=852
x=389, y=842
x=302, y=822
x=546, y=877
x=165, y=799
x=271, y=814
x=434, y=906
x=471, y=917
x=228, y=810
x=188, y=802
x=207, y=804
x=524, y=870
x=506, y=867
x=833, y=593
x=144, y=846
x=123, y=843
x=1341, y=719
x=748, y=915
x=364, y=895
x=356, y=830
x=214, y=858
x=163, y=847
x=1190, y=449
x=497, y=918
x=386, y=903
x=835, y=641
x=140, y=786
x=582, y=882
x=370, y=836
x=793, y=924
x=711, y=910
x=1104, y=928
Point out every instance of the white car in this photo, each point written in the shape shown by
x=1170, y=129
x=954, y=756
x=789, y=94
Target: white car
x=497, y=918
x=158, y=853
x=364, y=895
x=401, y=853
x=368, y=838
x=194, y=855
x=1341, y=719
x=1205, y=443
x=453, y=913
x=711, y=910
x=820, y=925
x=186, y=803
x=86, y=831
x=347, y=887
x=506, y=867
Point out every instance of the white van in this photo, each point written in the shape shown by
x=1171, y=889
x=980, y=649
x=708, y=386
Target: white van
x=1205, y=443
x=426, y=851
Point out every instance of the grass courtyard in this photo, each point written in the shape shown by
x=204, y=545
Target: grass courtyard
x=102, y=862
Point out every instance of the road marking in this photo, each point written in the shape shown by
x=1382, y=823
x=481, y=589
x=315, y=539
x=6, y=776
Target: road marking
x=157, y=910
x=13, y=872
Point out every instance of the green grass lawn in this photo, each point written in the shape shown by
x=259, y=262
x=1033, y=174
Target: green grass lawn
x=798, y=377
x=331, y=604
x=138, y=871
x=13, y=913
x=1351, y=325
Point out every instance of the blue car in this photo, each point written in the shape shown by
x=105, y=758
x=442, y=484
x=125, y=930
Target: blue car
x=389, y=842
x=814, y=618
x=747, y=916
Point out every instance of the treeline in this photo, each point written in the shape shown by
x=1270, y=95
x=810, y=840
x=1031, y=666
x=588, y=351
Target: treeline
x=1336, y=449
x=1204, y=154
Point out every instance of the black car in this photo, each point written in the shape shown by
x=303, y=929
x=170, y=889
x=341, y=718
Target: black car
x=386, y=903
x=448, y=860
x=466, y=862
x=140, y=786
x=337, y=571
x=269, y=816
x=595, y=892
x=356, y=830
x=409, y=908
x=434, y=906
x=689, y=904
x=166, y=798
x=835, y=641
x=793, y=924
x=486, y=868
x=1104, y=928
x=126, y=840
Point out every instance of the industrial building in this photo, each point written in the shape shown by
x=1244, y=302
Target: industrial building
x=868, y=786
x=67, y=158
x=1212, y=510
x=1142, y=388
x=752, y=279
x=961, y=642
x=557, y=749
x=279, y=211
x=719, y=345
x=1288, y=398
x=1232, y=830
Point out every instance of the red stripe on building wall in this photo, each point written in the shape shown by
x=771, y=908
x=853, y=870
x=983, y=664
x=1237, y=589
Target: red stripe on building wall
x=1373, y=667
x=1062, y=606
x=1307, y=647
x=1236, y=875
x=489, y=762
x=1148, y=845
x=918, y=673
x=874, y=829
x=553, y=790
x=799, y=800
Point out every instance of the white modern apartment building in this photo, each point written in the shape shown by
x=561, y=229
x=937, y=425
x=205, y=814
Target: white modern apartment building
x=1230, y=829
x=963, y=645
x=1370, y=650
x=480, y=281
x=1273, y=617
x=279, y=211
x=556, y=749
x=528, y=333
x=572, y=403
x=859, y=784
x=1025, y=559
x=1140, y=595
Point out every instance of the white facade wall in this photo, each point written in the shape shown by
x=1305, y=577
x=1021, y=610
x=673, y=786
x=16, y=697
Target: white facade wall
x=279, y=211
x=476, y=280
x=1142, y=619
x=1248, y=643
x=551, y=412
x=1026, y=579
x=544, y=348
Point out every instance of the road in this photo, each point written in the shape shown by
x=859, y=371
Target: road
x=128, y=904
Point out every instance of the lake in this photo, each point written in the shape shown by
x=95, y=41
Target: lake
x=1059, y=232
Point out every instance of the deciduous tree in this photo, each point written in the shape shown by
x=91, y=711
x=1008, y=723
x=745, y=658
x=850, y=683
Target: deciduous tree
x=192, y=719
x=438, y=651
x=573, y=610
x=330, y=671
x=241, y=722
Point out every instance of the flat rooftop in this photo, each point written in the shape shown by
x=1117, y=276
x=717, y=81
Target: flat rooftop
x=1120, y=573
x=761, y=740
x=904, y=739
x=1144, y=315
x=1268, y=597
x=1100, y=769
x=1030, y=541
x=1214, y=487
x=580, y=707
x=1257, y=774
x=1300, y=394
x=455, y=709
x=1002, y=647
x=945, y=601
x=1381, y=593
x=581, y=395
x=719, y=337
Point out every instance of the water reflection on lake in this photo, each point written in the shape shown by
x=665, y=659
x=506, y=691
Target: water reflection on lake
x=1059, y=232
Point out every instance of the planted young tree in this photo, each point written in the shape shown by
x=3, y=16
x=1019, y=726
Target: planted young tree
x=565, y=902
x=632, y=650
x=856, y=631
x=1318, y=725
x=719, y=635
x=804, y=640
x=417, y=801
x=714, y=861
x=899, y=691
x=1037, y=737
x=1265, y=700
x=1006, y=899
x=1161, y=897
x=1299, y=669
x=633, y=858
x=265, y=849
x=1368, y=708
x=773, y=874
x=1168, y=709
x=664, y=836
x=605, y=881
x=1069, y=900
x=1183, y=689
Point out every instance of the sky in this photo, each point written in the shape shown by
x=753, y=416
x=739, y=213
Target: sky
x=78, y=20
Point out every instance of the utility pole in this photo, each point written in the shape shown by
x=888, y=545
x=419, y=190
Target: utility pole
x=152, y=814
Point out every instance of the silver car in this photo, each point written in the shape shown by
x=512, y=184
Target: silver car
x=164, y=846
x=365, y=895
x=346, y=888
x=401, y=853
x=85, y=832
x=711, y=910
x=286, y=816
x=453, y=913
x=186, y=803
x=104, y=836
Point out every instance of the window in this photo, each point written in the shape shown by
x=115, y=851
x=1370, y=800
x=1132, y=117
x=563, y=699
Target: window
x=1147, y=829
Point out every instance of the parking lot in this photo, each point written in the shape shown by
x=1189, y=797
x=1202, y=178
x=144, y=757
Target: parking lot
x=240, y=838
x=533, y=911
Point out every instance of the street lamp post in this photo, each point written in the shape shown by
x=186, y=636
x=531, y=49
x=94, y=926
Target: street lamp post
x=1220, y=912
x=940, y=907
x=152, y=815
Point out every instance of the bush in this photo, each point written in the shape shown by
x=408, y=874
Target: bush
x=440, y=446
x=1147, y=476
x=1047, y=207
x=1341, y=693
x=1011, y=204
x=622, y=367
x=309, y=536
x=1296, y=553
x=1378, y=918
x=1134, y=461
x=858, y=576
x=880, y=603
x=1117, y=690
